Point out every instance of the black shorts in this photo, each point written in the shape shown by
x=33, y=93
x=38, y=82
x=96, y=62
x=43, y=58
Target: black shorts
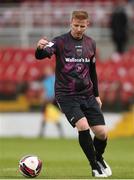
x=76, y=108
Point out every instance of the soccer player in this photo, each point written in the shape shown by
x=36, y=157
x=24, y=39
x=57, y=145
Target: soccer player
x=76, y=88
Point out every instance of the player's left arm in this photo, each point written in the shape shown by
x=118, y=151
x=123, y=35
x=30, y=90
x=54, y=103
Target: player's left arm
x=94, y=78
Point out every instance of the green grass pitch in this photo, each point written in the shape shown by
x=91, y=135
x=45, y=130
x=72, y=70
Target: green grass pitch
x=63, y=158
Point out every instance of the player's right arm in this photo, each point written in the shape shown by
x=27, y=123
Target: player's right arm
x=44, y=49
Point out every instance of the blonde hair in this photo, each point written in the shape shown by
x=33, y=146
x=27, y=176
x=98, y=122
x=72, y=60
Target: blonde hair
x=81, y=15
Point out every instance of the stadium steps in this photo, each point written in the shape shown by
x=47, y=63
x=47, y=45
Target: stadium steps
x=125, y=128
x=21, y=104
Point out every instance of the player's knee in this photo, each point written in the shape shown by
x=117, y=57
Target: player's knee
x=102, y=134
x=82, y=124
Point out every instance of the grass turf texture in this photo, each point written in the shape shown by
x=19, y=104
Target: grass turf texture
x=63, y=158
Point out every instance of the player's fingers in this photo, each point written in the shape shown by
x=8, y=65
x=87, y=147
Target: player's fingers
x=45, y=38
x=42, y=43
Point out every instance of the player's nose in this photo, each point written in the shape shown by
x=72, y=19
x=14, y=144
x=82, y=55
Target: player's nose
x=79, y=29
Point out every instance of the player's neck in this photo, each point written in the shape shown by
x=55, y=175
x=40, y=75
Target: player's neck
x=75, y=37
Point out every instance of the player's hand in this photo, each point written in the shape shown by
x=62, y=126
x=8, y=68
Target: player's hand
x=42, y=43
x=99, y=101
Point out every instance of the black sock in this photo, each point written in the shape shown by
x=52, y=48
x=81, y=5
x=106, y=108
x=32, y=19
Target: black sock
x=87, y=146
x=100, y=146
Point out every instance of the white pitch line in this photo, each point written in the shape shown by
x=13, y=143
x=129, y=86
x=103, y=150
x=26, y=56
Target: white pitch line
x=70, y=179
x=8, y=169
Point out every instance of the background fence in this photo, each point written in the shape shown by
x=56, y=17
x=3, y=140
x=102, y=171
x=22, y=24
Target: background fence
x=21, y=75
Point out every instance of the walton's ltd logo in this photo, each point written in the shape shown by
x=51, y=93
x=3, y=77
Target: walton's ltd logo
x=77, y=60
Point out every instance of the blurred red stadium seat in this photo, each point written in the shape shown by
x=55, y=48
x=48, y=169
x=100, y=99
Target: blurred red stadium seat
x=19, y=65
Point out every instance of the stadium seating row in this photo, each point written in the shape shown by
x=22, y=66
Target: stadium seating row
x=20, y=65
x=115, y=74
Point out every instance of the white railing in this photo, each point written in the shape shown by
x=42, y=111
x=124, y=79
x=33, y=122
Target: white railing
x=22, y=25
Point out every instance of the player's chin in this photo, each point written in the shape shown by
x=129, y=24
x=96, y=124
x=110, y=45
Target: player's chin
x=79, y=36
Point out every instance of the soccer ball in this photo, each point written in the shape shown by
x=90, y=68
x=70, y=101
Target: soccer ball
x=30, y=166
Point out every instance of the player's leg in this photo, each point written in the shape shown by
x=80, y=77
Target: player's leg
x=76, y=118
x=43, y=121
x=42, y=128
x=100, y=143
x=59, y=127
x=100, y=139
x=96, y=122
x=87, y=146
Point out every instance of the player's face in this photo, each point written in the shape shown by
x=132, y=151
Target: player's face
x=78, y=27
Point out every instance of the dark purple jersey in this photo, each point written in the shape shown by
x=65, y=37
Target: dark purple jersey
x=75, y=65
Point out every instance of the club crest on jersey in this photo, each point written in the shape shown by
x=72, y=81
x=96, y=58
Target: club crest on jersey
x=78, y=50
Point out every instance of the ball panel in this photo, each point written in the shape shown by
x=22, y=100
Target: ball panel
x=30, y=166
x=31, y=162
x=23, y=171
x=39, y=167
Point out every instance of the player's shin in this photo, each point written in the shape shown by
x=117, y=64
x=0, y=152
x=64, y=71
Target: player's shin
x=86, y=144
x=100, y=146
